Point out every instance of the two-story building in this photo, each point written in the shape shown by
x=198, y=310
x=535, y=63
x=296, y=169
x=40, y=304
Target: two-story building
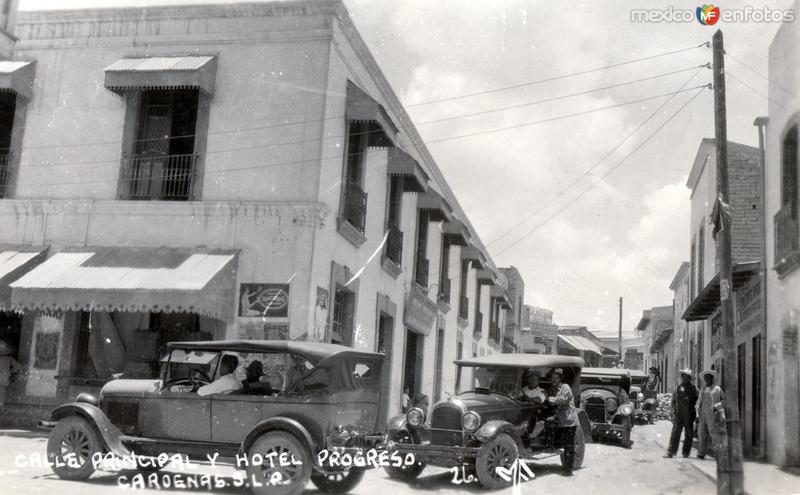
x=655, y=327
x=222, y=171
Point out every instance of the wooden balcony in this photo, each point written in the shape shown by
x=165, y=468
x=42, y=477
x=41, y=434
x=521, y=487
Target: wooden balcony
x=421, y=271
x=355, y=206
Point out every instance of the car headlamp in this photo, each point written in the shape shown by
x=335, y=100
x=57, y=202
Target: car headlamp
x=415, y=417
x=640, y=396
x=471, y=421
x=626, y=409
x=611, y=405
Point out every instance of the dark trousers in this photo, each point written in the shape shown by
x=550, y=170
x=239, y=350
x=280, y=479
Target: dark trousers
x=681, y=425
x=567, y=435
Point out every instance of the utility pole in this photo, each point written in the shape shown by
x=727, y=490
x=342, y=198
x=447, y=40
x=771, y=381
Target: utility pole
x=730, y=475
x=620, y=333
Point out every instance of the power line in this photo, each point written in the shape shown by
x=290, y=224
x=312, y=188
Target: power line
x=556, y=78
x=596, y=164
x=759, y=74
x=592, y=186
x=754, y=90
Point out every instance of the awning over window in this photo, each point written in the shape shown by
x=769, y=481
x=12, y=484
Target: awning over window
x=474, y=255
x=707, y=301
x=502, y=294
x=401, y=164
x=456, y=232
x=437, y=207
x=16, y=261
x=17, y=77
x=578, y=343
x=162, y=280
x=486, y=277
x=162, y=73
x=361, y=107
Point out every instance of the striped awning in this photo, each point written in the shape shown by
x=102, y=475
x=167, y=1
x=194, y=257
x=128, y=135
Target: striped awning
x=486, y=277
x=435, y=204
x=361, y=107
x=473, y=254
x=160, y=280
x=16, y=261
x=456, y=232
x=162, y=73
x=17, y=76
x=578, y=343
x=401, y=164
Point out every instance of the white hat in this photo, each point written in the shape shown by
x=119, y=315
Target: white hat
x=686, y=371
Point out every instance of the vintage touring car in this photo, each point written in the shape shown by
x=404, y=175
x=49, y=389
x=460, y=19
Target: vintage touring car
x=490, y=424
x=298, y=400
x=604, y=397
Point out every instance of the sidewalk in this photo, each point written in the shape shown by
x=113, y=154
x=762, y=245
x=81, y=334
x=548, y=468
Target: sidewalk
x=760, y=478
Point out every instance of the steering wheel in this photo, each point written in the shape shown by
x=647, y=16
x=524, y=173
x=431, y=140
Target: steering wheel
x=198, y=377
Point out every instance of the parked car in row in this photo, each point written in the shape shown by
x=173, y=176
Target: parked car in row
x=490, y=424
x=302, y=398
x=604, y=397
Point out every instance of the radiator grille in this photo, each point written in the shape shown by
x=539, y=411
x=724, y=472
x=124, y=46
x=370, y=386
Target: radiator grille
x=446, y=425
x=596, y=409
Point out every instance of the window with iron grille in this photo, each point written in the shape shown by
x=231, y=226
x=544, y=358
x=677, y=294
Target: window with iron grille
x=394, y=241
x=463, y=302
x=8, y=104
x=701, y=253
x=422, y=266
x=342, y=318
x=354, y=200
x=162, y=164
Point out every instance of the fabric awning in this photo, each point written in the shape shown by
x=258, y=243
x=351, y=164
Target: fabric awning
x=162, y=73
x=707, y=301
x=16, y=261
x=401, y=164
x=456, y=232
x=17, y=76
x=578, y=343
x=160, y=280
x=361, y=107
x=502, y=294
x=486, y=277
x=474, y=255
x=437, y=207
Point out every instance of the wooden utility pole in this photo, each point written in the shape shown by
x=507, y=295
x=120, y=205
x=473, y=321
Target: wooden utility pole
x=621, y=360
x=730, y=476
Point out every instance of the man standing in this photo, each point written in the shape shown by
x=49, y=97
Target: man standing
x=683, y=408
x=708, y=407
x=564, y=402
x=653, y=380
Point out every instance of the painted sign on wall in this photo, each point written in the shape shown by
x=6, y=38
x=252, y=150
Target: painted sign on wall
x=45, y=355
x=265, y=300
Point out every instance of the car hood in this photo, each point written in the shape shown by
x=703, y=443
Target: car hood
x=483, y=403
x=597, y=392
x=130, y=388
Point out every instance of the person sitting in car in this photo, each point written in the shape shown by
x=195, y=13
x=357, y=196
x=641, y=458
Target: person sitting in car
x=229, y=378
x=256, y=383
x=531, y=391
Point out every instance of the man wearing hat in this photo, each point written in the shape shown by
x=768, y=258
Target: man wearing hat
x=8, y=367
x=564, y=402
x=683, y=410
x=708, y=407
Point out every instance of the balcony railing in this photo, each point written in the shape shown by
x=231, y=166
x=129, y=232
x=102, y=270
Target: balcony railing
x=463, y=307
x=444, y=291
x=421, y=271
x=394, y=245
x=478, y=325
x=355, y=206
x=5, y=172
x=159, y=177
x=494, y=331
x=787, y=240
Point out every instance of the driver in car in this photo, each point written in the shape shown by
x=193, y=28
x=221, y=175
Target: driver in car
x=230, y=378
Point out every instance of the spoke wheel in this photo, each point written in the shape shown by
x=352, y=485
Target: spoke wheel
x=340, y=482
x=70, y=448
x=500, y=452
x=403, y=472
x=274, y=476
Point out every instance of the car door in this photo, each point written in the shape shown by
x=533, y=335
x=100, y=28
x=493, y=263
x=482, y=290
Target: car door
x=234, y=415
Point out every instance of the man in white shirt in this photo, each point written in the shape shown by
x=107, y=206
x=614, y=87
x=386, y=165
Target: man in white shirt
x=229, y=379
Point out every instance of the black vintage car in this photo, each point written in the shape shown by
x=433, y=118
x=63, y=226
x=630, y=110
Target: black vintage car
x=604, y=397
x=644, y=401
x=491, y=424
x=306, y=397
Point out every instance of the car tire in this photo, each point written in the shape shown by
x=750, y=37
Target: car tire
x=501, y=451
x=73, y=435
x=342, y=482
x=403, y=472
x=267, y=475
x=580, y=450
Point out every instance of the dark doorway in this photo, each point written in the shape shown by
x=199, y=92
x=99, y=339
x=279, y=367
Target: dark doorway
x=385, y=339
x=10, y=328
x=437, y=378
x=412, y=369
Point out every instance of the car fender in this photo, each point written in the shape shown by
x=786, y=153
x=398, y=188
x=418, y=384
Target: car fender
x=395, y=424
x=649, y=404
x=585, y=424
x=494, y=427
x=109, y=434
x=283, y=424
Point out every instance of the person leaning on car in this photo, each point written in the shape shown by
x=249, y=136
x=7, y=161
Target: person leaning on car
x=564, y=401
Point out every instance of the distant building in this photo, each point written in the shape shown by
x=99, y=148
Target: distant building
x=514, y=316
x=655, y=327
x=632, y=350
x=539, y=333
x=579, y=341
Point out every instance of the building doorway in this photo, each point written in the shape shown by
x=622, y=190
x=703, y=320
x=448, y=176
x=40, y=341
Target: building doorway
x=437, y=378
x=385, y=339
x=412, y=364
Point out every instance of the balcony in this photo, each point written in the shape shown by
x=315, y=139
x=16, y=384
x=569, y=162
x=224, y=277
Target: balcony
x=463, y=307
x=478, y=325
x=444, y=291
x=494, y=331
x=159, y=177
x=355, y=206
x=787, y=240
x=394, y=245
x=5, y=172
x=421, y=271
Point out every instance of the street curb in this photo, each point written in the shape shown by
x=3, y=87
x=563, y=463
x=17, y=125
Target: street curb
x=711, y=476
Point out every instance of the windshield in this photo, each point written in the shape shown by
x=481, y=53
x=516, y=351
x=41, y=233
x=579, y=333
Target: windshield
x=502, y=380
x=612, y=383
x=181, y=362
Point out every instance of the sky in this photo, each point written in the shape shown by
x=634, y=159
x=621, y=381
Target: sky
x=628, y=234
